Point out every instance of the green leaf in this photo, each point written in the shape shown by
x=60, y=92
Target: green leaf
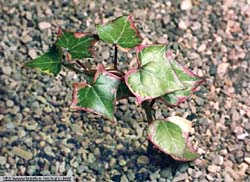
x=191, y=82
x=123, y=91
x=157, y=74
x=168, y=137
x=171, y=137
x=50, y=62
x=183, y=123
x=98, y=97
x=79, y=45
x=175, y=98
x=121, y=31
x=190, y=154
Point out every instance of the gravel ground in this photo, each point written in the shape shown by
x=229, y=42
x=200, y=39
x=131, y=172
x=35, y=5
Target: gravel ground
x=41, y=136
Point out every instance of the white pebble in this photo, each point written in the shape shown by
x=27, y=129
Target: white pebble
x=2, y=160
x=186, y=5
x=182, y=25
x=202, y=48
x=6, y=70
x=44, y=25
x=32, y=53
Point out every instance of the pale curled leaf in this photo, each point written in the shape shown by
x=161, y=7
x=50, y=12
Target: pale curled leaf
x=171, y=137
x=98, y=97
x=121, y=32
x=78, y=45
x=168, y=137
x=50, y=62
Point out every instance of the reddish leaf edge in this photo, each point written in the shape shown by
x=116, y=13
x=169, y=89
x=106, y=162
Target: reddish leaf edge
x=139, y=99
x=76, y=86
x=190, y=73
x=132, y=26
x=168, y=54
x=139, y=48
x=184, y=98
x=79, y=35
x=185, y=135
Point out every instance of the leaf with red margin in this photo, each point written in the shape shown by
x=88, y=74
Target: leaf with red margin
x=171, y=137
x=98, y=97
x=156, y=75
x=120, y=31
x=78, y=45
x=177, y=97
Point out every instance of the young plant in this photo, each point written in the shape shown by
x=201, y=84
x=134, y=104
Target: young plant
x=158, y=76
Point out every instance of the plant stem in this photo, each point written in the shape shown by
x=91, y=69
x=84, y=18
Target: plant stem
x=81, y=65
x=147, y=106
x=72, y=68
x=115, y=58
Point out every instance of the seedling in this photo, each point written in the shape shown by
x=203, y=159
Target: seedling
x=158, y=76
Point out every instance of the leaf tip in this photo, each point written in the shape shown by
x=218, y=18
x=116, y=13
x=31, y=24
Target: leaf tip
x=132, y=25
x=59, y=32
x=139, y=48
x=79, y=35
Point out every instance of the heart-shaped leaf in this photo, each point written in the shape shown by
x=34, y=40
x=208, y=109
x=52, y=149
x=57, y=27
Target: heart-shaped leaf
x=121, y=31
x=98, y=97
x=157, y=74
x=168, y=137
x=50, y=62
x=177, y=97
x=171, y=137
x=78, y=45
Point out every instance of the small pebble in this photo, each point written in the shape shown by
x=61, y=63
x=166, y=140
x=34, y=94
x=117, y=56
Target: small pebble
x=166, y=173
x=32, y=53
x=6, y=70
x=213, y=168
x=10, y=103
x=44, y=25
x=122, y=162
x=2, y=160
x=182, y=25
x=247, y=160
x=142, y=160
x=124, y=178
x=180, y=177
x=107, y=129
x=105, y=54
x=22, y=153
x=26, y=38
x=48, y=151
x=31, y=127
x=186, y=5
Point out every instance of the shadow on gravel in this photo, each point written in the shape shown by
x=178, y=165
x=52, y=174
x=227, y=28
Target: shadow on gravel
x=161, y=160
